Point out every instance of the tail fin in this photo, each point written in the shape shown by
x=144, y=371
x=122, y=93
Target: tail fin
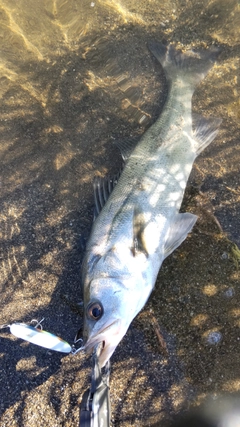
x=191, y=66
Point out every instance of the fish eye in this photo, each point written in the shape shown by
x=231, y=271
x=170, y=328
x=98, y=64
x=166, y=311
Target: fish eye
x=95, y=310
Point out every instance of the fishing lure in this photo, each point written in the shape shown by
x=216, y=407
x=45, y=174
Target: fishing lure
x=36, y=335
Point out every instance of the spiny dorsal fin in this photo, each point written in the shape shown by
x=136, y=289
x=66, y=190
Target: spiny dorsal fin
x=102, y=188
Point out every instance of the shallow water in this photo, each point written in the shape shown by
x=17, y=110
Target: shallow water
x=75, y=78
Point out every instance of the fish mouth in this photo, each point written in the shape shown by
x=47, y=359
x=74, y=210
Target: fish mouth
x=109, y=335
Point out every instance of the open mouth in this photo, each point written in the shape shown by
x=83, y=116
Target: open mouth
x=109, y=336
x=100, y=336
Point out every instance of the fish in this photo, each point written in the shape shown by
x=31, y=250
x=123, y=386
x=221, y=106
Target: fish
x=138, y=223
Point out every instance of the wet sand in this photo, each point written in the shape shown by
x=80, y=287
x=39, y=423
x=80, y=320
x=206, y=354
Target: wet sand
x=75, y=79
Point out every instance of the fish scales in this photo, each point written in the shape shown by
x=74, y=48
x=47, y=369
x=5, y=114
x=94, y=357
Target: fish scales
x=140, y=224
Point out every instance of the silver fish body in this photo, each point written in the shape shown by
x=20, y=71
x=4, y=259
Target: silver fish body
x=140, y=223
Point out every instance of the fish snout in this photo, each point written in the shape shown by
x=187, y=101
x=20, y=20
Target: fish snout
x=109, y=334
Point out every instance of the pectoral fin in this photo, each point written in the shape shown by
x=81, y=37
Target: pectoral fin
x=139, y=241
x=179, y=230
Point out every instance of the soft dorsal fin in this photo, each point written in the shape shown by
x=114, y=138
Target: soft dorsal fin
x=102, y=188
x=126, y=147
x=178, y=232
x=205, y=130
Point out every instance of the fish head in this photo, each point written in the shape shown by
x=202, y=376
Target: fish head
x=108, y=312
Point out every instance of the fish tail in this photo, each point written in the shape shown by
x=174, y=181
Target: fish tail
x=191, y=66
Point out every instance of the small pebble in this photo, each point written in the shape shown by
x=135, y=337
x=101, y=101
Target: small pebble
x=229, y=292
x=224, y=255
x=214, y=337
